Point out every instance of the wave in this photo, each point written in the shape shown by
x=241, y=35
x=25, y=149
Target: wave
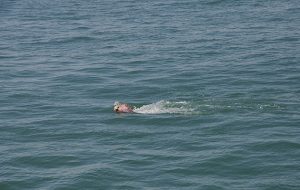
x=163, y=106
x=190, y=107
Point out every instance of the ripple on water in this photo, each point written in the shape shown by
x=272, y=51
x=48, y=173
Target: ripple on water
x=215, y=85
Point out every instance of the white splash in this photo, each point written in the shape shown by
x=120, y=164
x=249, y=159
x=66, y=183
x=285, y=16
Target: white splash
x=163, y=106
x=199, y=108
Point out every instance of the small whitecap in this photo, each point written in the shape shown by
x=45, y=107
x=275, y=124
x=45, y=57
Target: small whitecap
x=164, y=106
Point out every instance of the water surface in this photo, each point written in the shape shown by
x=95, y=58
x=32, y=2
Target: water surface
x=215, y=84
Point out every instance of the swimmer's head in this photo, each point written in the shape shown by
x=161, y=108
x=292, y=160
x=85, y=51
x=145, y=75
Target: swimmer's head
x=116, y=106
x=122, y=108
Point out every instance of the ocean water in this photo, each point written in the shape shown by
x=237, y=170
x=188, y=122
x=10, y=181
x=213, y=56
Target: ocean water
x=215, y=85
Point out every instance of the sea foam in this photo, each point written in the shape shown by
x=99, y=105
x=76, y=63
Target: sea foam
x=163, y=106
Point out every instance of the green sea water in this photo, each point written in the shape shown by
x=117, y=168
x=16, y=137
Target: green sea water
x=215, y=85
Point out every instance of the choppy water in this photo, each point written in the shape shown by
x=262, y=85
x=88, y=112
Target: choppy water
x=216, y=84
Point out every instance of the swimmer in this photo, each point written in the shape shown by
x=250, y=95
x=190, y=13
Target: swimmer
x=122, y=108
